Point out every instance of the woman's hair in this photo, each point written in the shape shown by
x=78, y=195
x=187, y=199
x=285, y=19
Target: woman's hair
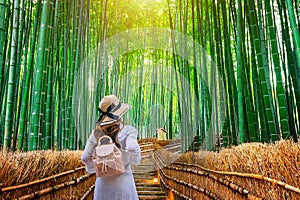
x=110, y=130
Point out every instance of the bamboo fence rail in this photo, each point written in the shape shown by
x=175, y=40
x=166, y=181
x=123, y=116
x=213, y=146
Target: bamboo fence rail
x=148, y=147
x=212, y=183
x=189, y=185
x=88, y=192
x=174, y=190
x=53, y=188
x=245, y=175
x=178, y=180
x=52, y=185
x=55, y=183
x=185, y=179
x=41, y=180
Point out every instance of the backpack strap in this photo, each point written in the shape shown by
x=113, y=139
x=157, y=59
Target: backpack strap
x=103, y=138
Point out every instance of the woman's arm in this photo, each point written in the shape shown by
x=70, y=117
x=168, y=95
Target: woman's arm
x=132, y=146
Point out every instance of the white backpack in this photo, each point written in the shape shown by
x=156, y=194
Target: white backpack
x=107, y=158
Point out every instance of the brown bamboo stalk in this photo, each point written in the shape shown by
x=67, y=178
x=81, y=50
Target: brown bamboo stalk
x=53, y=188
x=246, y=175
x=146, y=144
x=173, y=190
x=88, y=192
x=189, y=185
x=199, y=189
x=147, y=150
x=41, y=180
x=236, y=188
x=223, y=181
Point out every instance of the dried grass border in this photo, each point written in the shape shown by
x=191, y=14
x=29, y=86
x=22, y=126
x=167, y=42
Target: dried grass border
x=269, y=171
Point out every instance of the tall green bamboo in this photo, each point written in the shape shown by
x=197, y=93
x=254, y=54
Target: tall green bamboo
x=255, y=58
x=250, y=89
x=9, y=117
x=70, y=74
x=28, y=81
x=279, y=84
x=251, y=68
x=171, y=103
x=195, y=77
x=2, y=86
x=2, y=122
x=262, y=66
x=25, y=81
x=240, y=68
x=48, y=63
x=5, y=64
x=77, y=58
x=223, y=59
x=231, y=89
x=48, y=106
x=23, y=40
x=65, y=60
x=2, y=40
x=293, y=69
x=36, y=104
x=202, y=60
x=140, y=94
x=174, y=60
x=228, y=62
x=295, y=29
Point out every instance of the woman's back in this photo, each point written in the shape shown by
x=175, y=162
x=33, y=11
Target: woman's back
x=118, y=186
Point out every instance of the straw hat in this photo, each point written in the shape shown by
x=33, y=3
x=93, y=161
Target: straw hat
x=111, y=110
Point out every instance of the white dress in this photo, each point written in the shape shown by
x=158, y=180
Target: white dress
x=119, y=187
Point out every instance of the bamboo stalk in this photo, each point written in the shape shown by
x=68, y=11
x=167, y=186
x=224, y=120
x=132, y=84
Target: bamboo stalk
x=175, y=191
x=223, y=181
x=41, y=180
x=161, y=165
x=51, y=189
x=247, y=175
x=147, y=150
x=88, y=192
x=146, y=144
x=189, y=185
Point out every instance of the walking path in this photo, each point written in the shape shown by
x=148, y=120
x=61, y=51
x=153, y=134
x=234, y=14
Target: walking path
x=147, y=183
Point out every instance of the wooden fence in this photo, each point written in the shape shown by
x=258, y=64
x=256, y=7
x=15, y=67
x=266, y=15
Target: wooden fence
x=71, y=184
x=190, y=181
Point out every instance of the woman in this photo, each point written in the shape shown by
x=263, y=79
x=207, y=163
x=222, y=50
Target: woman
x=110, y=123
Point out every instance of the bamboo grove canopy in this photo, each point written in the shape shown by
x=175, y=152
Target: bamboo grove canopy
x=217, y=72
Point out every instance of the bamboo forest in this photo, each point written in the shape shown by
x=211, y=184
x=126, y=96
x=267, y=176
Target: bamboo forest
x=215, y=75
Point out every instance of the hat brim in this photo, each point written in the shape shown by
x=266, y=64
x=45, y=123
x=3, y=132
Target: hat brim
x=119, y=112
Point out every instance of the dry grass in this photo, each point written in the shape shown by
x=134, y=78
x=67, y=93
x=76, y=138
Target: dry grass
x=279, y=161
x=18, y=168
x=21, y=168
